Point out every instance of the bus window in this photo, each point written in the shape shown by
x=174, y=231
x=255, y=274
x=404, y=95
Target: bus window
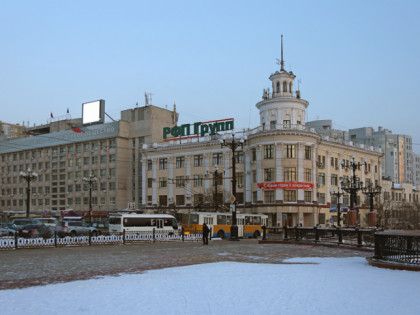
x=171, y=222
x=257, y=220
x=185, y=218
x=221, y=220
x=115, y=220
x=228, y=220
x=249, y=220
x=208, y=220
x=193, y=219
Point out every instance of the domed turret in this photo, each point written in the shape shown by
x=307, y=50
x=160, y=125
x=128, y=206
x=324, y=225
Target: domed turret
x=282, y=108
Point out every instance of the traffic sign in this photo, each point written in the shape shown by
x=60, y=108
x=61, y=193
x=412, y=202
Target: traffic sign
x=232, y=199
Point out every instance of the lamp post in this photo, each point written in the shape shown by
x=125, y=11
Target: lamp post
x=90, y=180
x=233, y=145
x=371, y=192
x=29, y=177
x=338, y=194
x=354, y=185
x=216, y=181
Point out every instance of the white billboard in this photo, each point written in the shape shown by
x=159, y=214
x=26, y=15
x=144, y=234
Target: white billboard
x=93, y=112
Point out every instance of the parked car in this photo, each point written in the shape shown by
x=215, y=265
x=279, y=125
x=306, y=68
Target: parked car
x=52, y=222
x=74, y=228
x=10, y=228
x=103, y=227
x=22, y=222
x=36, y=230
x=4, y=232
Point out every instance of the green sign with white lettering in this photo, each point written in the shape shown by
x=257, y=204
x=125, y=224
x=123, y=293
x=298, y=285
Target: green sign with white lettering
x=198, y=129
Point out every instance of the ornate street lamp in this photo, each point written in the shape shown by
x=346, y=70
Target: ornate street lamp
x=233, y=145
x=90, y=180
x=29, y=177
x=371, y=192
x=338, y=194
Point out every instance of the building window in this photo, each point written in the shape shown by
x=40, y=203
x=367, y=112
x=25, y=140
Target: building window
x=273, y=124
x=180, y=181
x=239, y=179
x=198, y=198
x=149, y=165
x=307, y=195
x=163, y=200
x=198, y=160
x=286, y=124
x=307, y=175
x=308, y=153
x=290, y=174
x=239, y=156
x=217, y=158
x=269, y=196
x=198, y=180
x=218, y=179
x=321, y=179
x=321, y=198
x=334, y=180
x=180, y=161
x=254, y=196
x=253, y=154
x=149, y=182
x=290, y=195
x=163, y=164
x=163, y=182
x=290, y=151
x=269, y=174
x=254, y=176
x=180, y=200
x=269, y=151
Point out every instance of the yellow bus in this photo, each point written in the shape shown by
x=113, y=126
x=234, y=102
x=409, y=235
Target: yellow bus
x=249, y=225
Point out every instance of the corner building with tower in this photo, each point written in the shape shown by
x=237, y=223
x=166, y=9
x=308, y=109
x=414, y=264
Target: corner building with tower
x=282, y=168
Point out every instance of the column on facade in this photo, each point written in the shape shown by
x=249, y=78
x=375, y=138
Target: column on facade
x=188, y=181
x=144, y=181
x=171, y=179
x=259, y=171
x=226, y=176
x=279, y=169
x=328, y=176
x=315, y=172
x=207, y=173
x=248, y=181
x=300, y=171
x=154, y=182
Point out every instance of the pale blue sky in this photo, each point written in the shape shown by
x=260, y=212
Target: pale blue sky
x=358, y=60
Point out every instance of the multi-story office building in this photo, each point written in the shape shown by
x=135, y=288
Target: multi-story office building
x=284, y=169
x=398, y=160
x=109, y=152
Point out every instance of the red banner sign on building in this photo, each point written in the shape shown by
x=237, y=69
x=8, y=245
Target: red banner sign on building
x=285, y=185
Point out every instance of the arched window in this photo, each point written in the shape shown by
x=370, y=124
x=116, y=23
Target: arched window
x=284, y=86
x=278, y=87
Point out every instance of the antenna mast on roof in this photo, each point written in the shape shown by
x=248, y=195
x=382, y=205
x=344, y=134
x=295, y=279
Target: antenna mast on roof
x=282, y=61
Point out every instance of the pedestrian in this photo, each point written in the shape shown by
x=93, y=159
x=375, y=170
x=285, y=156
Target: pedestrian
x=206, y=232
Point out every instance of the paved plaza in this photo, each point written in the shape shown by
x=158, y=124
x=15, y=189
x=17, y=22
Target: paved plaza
x=29, y=267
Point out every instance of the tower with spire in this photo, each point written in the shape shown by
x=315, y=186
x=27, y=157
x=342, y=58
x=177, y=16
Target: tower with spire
x=282, y=108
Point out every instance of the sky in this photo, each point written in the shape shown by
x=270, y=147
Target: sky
x=301, y=286
x=357, y=61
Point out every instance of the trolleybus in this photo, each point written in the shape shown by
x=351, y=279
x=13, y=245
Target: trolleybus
x=249, y=225
x=133, y=222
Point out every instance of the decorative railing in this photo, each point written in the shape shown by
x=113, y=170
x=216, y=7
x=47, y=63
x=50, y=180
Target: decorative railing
x=398, y=246
x=39, y=241
x=339, y=236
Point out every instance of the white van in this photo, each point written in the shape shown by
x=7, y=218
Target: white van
x=50, y=222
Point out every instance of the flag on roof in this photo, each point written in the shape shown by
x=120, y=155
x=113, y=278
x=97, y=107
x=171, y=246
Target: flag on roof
x=68, y=110
x=52, y=116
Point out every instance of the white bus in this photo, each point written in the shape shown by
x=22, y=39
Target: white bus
x=133, y=222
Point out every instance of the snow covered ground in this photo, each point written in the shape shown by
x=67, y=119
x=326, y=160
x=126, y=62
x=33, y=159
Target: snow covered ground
x=305, y=286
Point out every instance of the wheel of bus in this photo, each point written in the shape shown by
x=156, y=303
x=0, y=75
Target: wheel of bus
x=256, y=234
x=221, y=234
